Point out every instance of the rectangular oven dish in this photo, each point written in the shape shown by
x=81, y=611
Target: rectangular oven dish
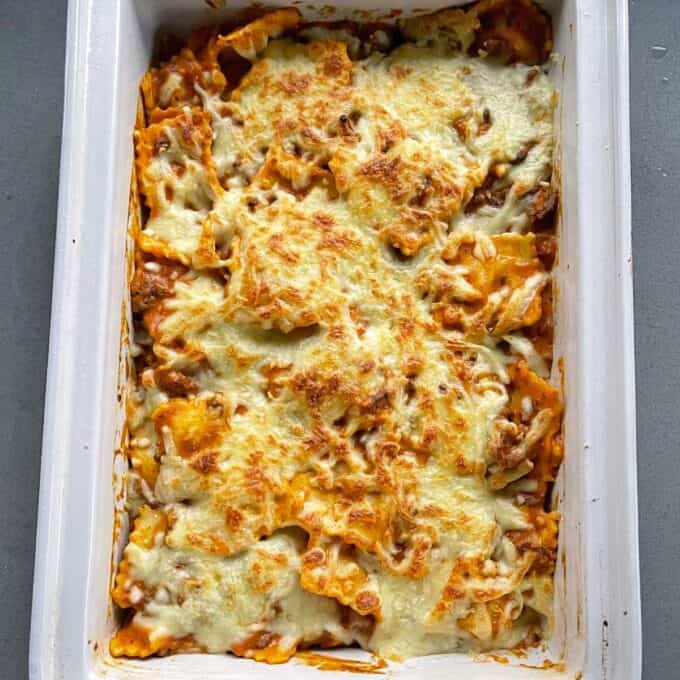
x=596, y=622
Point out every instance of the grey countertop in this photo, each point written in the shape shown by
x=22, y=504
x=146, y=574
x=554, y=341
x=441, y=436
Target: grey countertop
x=31, y=78
x=655, y=132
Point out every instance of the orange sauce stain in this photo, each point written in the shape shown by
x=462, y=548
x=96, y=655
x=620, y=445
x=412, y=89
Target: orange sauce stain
x=547, y=665
x=332, y=663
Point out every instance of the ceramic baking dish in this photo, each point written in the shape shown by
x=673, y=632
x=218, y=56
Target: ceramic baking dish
x=597, y=631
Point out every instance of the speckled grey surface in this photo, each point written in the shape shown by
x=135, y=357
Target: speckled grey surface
x=32, y=38
x=655, y=119
x=31, y=76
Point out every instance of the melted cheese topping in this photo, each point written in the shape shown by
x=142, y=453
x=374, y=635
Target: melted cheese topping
x=342, y=300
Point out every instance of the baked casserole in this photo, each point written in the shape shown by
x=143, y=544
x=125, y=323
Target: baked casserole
x=342, y=429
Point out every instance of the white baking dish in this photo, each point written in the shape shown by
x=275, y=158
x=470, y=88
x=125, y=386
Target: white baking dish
x=597, y=610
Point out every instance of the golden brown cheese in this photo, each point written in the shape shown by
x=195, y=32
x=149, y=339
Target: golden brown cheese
x=341, y=429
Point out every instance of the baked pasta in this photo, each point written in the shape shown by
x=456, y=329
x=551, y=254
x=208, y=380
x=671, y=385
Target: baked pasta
x=341, y=429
